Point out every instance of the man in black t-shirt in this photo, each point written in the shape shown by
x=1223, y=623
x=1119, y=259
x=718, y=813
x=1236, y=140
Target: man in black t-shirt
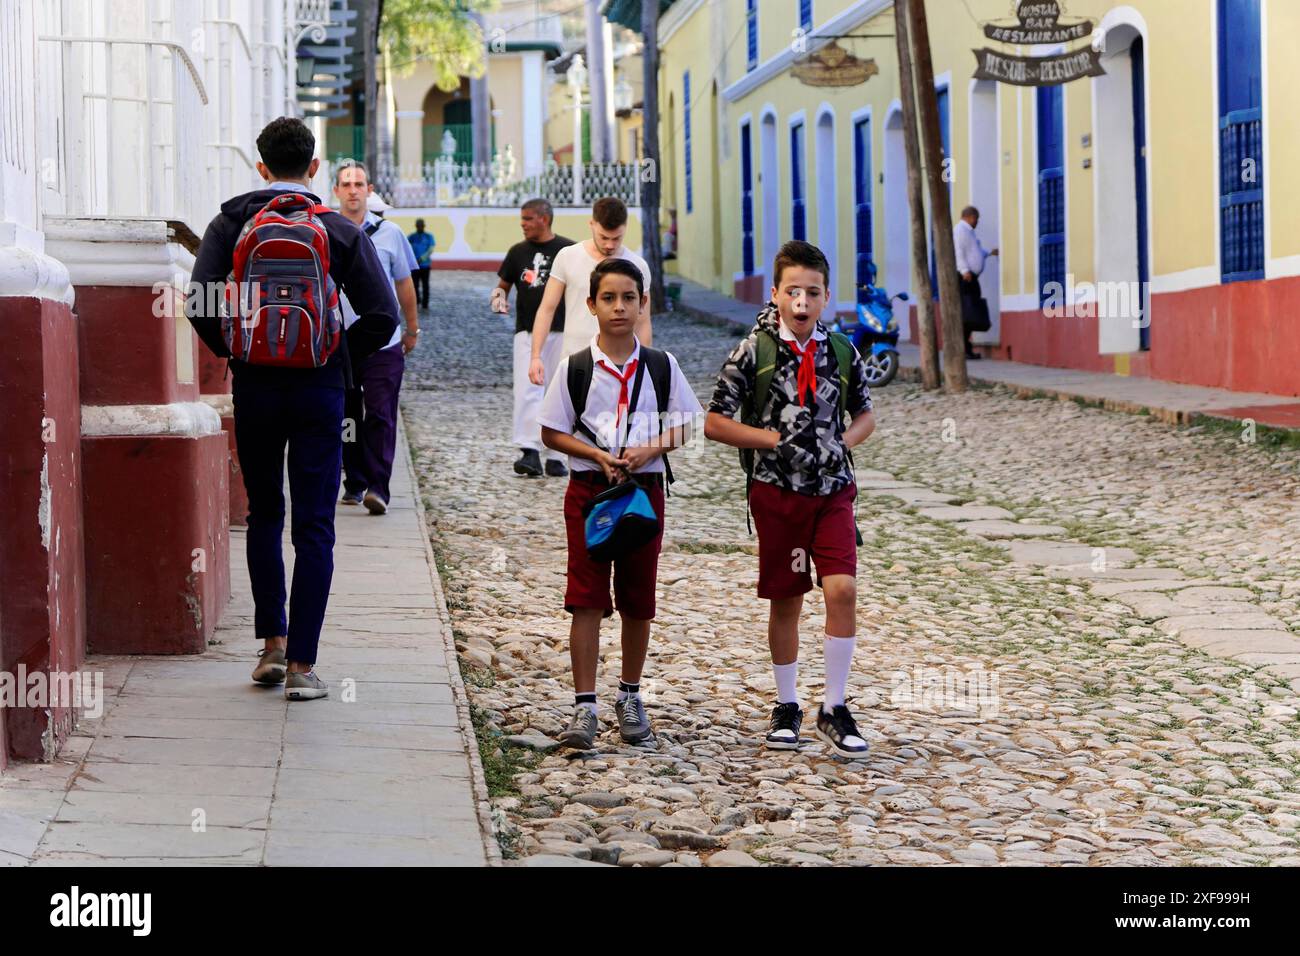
x=526, y=267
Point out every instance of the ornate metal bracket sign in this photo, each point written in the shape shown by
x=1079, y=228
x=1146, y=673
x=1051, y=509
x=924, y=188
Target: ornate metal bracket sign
x=832, y=65
x=1040, y=22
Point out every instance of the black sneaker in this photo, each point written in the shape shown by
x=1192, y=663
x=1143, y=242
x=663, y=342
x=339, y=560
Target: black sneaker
x=529, y=464
x=783, y=734
x=841, y=733
x=353, y=497
x=555, y=469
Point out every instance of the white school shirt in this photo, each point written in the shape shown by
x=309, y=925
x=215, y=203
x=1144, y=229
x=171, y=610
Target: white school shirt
x=572, y=266
x=602, y=407
x=971, y=255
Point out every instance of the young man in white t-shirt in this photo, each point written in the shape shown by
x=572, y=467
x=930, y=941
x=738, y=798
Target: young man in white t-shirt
x=569, y=281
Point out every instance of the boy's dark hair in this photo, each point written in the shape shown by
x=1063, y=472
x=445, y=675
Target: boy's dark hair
x=542, y=207
x=796, y=252
x=287, y=147
x=609, y=212
x=620, y=267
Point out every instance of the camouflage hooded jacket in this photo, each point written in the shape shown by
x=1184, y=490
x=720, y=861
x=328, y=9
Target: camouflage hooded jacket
x=811, y=457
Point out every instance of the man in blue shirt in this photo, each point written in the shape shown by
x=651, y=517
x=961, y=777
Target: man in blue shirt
x=370, y=443
x=422, y=244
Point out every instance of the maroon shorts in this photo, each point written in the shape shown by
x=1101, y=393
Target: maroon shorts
x=635, y=573
x=795, y=529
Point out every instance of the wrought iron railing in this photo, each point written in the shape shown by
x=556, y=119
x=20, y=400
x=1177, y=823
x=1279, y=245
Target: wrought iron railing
x=445, y=182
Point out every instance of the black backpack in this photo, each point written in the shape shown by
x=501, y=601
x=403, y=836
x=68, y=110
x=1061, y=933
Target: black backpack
x=655, y=363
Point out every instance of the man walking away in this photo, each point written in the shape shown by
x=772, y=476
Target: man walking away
x=526, y=267
x=422, y=244
x=295, y=408
x=371, y=404
x=971, y=258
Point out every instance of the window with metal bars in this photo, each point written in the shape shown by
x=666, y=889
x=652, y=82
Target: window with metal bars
x=746, y=200
x=1241, y=141
x=686, y=138
x=798, y=204
x=1051, y=191
x=862, y=202
x=751, y=34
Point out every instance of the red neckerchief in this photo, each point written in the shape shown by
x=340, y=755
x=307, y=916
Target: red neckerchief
x=807, y=368
x=623, y=379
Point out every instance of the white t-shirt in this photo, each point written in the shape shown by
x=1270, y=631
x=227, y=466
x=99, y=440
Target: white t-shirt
x=572, y=266
x=601, y=412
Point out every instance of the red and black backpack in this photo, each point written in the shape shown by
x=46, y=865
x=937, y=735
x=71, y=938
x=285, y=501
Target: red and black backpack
x=282, y=307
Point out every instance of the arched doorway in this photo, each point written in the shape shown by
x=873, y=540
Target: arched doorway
x=985, y=195
x=827, y=205
x=770, y=185
x=1123, y=264
x=898, y=215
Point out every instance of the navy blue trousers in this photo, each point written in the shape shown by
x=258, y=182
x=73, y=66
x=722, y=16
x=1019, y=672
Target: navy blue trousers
x=372, y=406
x=307, y=422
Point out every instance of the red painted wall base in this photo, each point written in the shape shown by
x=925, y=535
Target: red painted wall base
x=43, y=596
x=751, y=289
x=1244, y=336
x=157, y=542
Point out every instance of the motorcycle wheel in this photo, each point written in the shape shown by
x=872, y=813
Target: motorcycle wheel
x=881, y=368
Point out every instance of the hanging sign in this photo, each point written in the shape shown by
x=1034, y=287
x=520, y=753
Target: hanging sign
x=1039, y=22
x=833, y=65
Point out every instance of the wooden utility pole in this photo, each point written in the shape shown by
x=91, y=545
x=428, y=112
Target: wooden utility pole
x=651, y=169
x=916, y=200
x=954, y=338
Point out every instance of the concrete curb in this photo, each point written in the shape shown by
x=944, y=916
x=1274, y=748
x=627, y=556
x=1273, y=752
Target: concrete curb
x=482, y=802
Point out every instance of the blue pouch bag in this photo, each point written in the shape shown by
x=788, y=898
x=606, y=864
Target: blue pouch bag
x=618, y=521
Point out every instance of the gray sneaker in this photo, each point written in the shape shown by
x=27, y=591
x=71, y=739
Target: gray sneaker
x=305, y=686
x=633, y=724
x=581, y=732
x=270, y=667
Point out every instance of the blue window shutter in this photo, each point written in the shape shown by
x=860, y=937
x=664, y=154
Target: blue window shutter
x=747, y=200
x=862, y=202
x=751, y=34
x=686, y=100
x=1051, y=189
x=1241, y=141
x=798, y=212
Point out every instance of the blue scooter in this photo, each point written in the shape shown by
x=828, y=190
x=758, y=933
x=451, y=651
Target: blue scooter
x=874, y=332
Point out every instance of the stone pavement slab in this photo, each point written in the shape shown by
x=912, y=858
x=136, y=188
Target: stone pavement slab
x=192, y=764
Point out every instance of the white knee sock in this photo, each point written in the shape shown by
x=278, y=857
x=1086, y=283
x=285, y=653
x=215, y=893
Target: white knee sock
x=787, y=677
x=839, y=656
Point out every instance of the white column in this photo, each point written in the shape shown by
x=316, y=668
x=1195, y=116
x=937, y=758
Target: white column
x=533, y=70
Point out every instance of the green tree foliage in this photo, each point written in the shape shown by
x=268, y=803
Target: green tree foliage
x=442, y=33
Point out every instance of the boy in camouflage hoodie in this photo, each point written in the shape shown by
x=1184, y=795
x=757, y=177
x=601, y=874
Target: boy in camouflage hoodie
x=801, y=488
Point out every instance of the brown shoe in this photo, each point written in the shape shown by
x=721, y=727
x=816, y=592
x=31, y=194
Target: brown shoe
x=270, y=667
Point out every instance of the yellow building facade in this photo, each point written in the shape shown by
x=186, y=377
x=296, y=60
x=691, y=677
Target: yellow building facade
x=1142, y=216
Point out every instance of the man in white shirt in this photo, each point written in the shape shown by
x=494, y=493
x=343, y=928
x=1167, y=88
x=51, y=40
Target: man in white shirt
x=971, y=257
x=569, y=283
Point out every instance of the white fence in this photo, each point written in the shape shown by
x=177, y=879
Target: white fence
x=448, y=183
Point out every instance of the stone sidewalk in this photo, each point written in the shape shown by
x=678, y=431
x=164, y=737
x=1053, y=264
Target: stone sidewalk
x=1169, y=401
x=192, y=764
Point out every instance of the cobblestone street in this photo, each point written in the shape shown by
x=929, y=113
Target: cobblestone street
x=1079, y=636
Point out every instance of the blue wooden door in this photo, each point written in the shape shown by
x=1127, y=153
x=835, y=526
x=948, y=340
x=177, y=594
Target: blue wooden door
x=945, y=136
x=747, y=200
x=862, y=202
x=1241, y=141
x=1138, y=57
x=1051, y=190
x=798, y=211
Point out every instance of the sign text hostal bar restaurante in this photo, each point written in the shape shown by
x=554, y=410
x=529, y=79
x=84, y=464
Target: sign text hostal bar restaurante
x=1039, y=23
